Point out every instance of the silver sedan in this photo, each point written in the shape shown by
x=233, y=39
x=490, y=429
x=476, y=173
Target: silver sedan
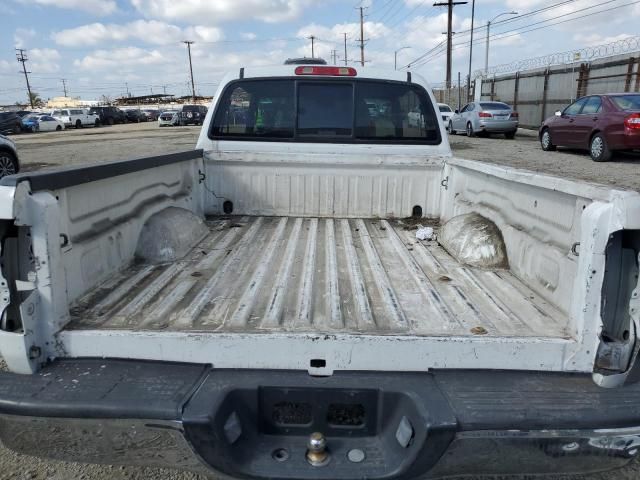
x=484, y=118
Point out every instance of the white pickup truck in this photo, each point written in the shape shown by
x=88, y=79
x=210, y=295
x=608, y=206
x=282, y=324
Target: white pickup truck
x=76, y=117
x=261, y=307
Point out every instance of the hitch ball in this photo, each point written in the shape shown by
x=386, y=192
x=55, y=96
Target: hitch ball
x=317, y=454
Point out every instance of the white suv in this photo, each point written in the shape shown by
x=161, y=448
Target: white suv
x=76, y=117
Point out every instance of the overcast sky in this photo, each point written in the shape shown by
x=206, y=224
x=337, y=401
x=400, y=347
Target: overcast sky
x=106, y=46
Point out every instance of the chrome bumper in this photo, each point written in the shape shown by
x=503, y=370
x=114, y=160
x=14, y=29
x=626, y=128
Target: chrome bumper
x=193, y=418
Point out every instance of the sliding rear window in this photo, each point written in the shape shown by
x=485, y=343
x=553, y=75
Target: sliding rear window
x=322, y=110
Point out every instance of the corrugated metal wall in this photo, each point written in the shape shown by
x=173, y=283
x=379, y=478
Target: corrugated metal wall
x=537, y=94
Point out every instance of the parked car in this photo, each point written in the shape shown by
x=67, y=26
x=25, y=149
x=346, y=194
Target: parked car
x=30, y=122
x=47, y=123
x=9, y=163
x=109, y=115
x=23, y=113
x=134, y=115
x=151, y=114
x=484, y=118
x=76, y=117
x=601, y=124
x=10, y=122
x=192, y=114
x=445, y=112
x=169, y=118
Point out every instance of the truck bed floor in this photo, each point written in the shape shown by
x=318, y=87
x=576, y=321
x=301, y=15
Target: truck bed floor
x=263, y=274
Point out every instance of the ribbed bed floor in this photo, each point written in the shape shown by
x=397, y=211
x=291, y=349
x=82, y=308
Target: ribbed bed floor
x=263, y=274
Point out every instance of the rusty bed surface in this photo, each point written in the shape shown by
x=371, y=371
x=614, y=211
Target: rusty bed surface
x=264, y=274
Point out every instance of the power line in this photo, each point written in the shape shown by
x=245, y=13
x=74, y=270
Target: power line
x=388, y=2
x=526, y=14
x=397, y=22
x=500, y=35
x=413, y=62
x=394, y=13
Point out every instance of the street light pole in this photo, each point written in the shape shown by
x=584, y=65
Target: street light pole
x=395, y=57
x=486, y=52
x=473, y=14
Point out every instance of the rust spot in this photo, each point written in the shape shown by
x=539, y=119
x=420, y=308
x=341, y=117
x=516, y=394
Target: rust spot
x=479, y=331
x=444, y=278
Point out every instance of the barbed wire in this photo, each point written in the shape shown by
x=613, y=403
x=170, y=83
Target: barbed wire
x=618, y=47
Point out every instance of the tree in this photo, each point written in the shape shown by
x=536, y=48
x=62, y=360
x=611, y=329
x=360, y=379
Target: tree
x=36, y=100
x=106, y=99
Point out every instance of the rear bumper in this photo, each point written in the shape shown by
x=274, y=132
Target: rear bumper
x=231, y=422
x=624, y=140
x=498, y=126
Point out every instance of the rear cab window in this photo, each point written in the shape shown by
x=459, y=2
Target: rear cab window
x=323, y=110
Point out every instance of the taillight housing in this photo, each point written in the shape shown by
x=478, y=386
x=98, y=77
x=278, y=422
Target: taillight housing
x=514, y=115
x=327, y=71
x=632, y=121
x=485, y=115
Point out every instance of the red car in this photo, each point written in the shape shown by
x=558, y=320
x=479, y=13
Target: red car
x=602, y=124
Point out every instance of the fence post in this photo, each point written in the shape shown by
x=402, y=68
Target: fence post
x=493, y=88
x=637, y=87
x=545, y=87
x=515, y=91
x=627, y=79
x=583, y=80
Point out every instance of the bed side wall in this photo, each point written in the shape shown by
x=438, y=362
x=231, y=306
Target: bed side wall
x=540, y=225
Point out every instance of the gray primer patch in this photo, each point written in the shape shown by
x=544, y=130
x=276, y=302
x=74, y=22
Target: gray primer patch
x=169, y=235
x=475, y=241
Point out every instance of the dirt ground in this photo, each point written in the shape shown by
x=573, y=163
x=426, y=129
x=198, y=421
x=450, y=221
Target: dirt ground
x=121, y=142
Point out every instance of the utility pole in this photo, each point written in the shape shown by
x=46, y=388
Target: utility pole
x=22, y=58
x=64, y=86
x=126, y=87
x=449, y=4
x=193, y=87
x=362, y=35
x=459, y=100
x=345, y=48
x=473, y=12
x=312, y=38
x=334, y=54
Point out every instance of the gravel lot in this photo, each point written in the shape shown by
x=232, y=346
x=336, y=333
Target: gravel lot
x=525, y=152
x=120, y=142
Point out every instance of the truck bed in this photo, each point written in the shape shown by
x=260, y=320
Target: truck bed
x=282, y=274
